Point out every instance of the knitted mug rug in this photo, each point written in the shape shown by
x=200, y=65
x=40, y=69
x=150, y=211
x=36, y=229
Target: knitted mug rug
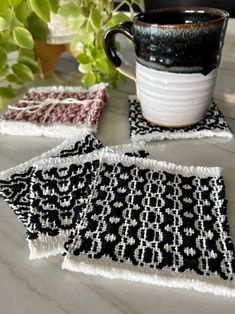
x=213, y=125
x=157, y=223
x=15, y=182
x=55, y=111
x=58, y=189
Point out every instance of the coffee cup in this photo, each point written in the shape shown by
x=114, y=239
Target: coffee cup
x=177, y=55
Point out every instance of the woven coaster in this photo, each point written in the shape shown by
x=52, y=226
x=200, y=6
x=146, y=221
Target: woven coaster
x=15, y=182
x=157, y=223
x=55, y=111
x=57, y=192
x=212, y=125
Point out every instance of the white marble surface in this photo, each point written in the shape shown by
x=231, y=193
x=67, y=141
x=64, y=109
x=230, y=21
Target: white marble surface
x=36, y=287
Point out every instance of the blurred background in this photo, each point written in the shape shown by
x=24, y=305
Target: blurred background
x=228, y=5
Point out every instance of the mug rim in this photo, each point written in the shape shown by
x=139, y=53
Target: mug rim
x=224, y=15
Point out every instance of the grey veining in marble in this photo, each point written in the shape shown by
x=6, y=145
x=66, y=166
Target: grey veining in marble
x=36, y=287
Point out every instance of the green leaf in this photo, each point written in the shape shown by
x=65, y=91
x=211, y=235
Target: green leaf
x=69, y=9
x=12, y=20
x=1, y=104
x=80, y=40
x=23, y=11
x=78, y=23
x=54, y=5
x=83, y=58
x=103, y=65
x=41, y=8
x=31, y=64
x=4, y=71
x=3, y=59
x=4, y=6
x=3, y=24
x=95, y=18
x=14, y=3
x=4, y=37
x=26, y=53
x=117, y=19
x=89, y=79
x=89, y=27
x=7, y=92
x=23, y=38
x=9, y=46
x=22, y=72
x=12, y=78
x=84, y=68
x=37, y=27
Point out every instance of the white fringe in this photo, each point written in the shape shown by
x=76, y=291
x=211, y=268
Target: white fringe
x=117, y=150
x=64, y=145
x=68, y=89
x=156, y=165
x=115, y=270
x=105, y=155
x=167, y=135
x=24, y=128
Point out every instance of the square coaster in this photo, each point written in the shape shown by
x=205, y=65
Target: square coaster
x=55, y=111
x=214, y=124
x=58, y=189
x=157, y=223
x=15, y=182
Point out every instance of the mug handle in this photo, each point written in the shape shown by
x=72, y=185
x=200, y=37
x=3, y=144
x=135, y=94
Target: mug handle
x=122, y=66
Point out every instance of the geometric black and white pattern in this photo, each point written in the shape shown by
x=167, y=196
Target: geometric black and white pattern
x=15, y=182
x=57, y=192
x=212, y=125
x=149, y=216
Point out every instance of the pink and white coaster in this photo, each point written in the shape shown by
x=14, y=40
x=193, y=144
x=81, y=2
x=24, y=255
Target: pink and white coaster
x=55, y=111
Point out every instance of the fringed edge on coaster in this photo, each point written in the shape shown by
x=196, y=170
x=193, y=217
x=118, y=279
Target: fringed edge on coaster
x=166, y=135
x=144, y=163
x=23, y=166
x=24, y=128
x=104, y=155
x=117, y=150
x=72, y=89
x=46, y=246
x=113, y=270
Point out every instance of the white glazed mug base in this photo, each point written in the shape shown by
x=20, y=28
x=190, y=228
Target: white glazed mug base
x=173, y=99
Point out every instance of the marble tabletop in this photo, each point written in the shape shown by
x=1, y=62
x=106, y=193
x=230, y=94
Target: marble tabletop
x=40, y=286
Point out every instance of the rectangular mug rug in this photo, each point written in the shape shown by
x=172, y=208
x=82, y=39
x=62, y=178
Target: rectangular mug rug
x=213, y=125
x=55, y=111
x=157, y=223
x=58, y=189
x=15, y=182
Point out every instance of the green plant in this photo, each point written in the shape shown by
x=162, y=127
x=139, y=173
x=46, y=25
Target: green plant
x=20, y=22
x=91, y=18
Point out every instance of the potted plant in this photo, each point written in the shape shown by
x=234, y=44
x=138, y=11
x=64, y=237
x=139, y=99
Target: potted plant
x=90, y=19
x=23, y=22
x=20, y=22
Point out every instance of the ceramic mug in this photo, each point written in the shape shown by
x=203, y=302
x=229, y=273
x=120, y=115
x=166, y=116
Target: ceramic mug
x=178, y=51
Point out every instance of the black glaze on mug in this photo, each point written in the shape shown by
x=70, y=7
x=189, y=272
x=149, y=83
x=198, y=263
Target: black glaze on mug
x=179, y=40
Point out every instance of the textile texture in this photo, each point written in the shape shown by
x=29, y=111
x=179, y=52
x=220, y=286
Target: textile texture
x=55, y=111
x=212, y=125
x=58, y=189
x=157, y=223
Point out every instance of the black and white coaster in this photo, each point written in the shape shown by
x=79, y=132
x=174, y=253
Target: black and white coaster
x=58, y=188
x=15, y=182
x=155, y=222
x=212, y=125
